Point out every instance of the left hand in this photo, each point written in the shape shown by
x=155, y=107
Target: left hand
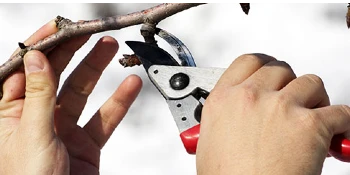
x=38, y=131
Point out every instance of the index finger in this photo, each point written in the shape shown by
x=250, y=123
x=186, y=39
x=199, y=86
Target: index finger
x=243, y=67
x=43, y=32
x=13, y=86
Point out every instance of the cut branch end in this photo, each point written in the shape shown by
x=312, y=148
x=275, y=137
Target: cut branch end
x=245, y=7
x=129, y=60
x=62, y=22
x=21, y=45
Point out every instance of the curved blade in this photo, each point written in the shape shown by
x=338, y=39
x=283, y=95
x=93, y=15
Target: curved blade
x=151, y=55
x=180, y=49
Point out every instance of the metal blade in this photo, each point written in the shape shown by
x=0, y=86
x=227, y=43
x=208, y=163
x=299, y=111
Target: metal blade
x=151, y=55
x=180, y=49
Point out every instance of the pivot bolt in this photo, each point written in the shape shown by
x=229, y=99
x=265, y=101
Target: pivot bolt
x=179, y=81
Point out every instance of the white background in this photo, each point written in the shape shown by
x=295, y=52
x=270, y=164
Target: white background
x=312, y=38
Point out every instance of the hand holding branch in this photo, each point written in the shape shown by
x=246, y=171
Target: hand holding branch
x=68, y=29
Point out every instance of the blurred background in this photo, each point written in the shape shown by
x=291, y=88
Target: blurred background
x=312, y=38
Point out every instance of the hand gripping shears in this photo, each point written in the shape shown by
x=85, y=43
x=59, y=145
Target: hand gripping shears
x=185, y=88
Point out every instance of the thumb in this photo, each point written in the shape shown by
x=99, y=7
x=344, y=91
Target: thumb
x=335, y=118
x=40, y=93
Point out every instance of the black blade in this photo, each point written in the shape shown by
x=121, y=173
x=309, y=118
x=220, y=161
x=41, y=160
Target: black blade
x=151, y=55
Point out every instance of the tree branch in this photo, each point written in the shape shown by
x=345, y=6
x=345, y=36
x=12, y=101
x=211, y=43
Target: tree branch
x=69, y=29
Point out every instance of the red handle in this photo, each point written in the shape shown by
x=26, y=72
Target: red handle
x=340, y=148
x=190, y=138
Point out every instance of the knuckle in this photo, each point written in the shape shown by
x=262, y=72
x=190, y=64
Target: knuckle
x=247, y=57
x=256, y=57
x=121, y=104
x=282, y=98
x=248, y=92
x=35, y=88
x=78, y=89
x=277, y=104
x=314, y=79
x=345, y=109
x=284, y=64
x=91, y=67
x=286, y=69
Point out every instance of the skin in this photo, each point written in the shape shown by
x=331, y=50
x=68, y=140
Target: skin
x=259, y=119
x=268, y=121
x=38, y=130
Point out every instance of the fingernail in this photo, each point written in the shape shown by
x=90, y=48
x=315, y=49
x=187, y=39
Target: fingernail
x=33, y=63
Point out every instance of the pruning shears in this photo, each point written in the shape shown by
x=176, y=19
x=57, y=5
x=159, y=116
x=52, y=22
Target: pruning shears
x=185, y=88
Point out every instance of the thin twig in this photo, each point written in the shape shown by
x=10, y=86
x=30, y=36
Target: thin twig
x=69, y=29
x=148, y=31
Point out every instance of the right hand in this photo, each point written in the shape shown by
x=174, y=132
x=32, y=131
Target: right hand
x=261, y=119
